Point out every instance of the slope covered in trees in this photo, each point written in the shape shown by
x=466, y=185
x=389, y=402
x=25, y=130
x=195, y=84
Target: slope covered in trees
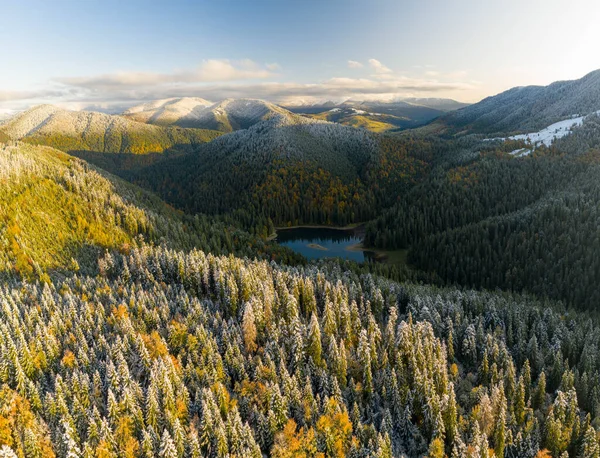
x=292, y=171
x=171, y=354
x=375, y=122
x=90, y=131
x=403, y=114
x=58, y=213
x=497, y=221
x=526, y=109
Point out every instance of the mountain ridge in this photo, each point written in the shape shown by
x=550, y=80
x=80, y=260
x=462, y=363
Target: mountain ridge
x=225, y=116
x=99, y=132
x=171, y=111
x=525, y=108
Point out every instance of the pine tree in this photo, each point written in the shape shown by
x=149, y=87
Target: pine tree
x=384, y=446
x=450, y=415
x=500, y=431
x=147, y=445
x=590, y=447
x=249, y=328
x=167, y=446
x=72, y=450
x=436, y=448
x=30, y=445
x=554, y=434
x=195, y=450
x=527, y=380
x=179, y=438
x=314, y=341
x=364, y=355
x=459, y=450
x=450, y=345
x=539, y=396
x=519, y=409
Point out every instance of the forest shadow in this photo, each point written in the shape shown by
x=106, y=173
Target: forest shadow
x=125, y=164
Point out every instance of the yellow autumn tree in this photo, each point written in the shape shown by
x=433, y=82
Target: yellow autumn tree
x=290, y=443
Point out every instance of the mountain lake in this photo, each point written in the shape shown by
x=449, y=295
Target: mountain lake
x=325, y=242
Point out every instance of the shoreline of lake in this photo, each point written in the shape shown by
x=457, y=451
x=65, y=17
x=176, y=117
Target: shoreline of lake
x=321, y=226
x=378, y=255
x=348, y=227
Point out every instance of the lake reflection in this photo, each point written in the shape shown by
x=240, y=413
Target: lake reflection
x=318, y=243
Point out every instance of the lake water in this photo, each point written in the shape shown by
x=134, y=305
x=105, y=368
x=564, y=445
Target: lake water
x=318, y=243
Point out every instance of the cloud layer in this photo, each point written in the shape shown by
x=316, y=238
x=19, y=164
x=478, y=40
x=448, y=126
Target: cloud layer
x=219, y=79
x=208, y=71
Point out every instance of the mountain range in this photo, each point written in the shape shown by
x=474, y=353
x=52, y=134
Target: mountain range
x=407, y=104
x=167, y=112
x=226, y=116
x=380, y=116
x=234, y=114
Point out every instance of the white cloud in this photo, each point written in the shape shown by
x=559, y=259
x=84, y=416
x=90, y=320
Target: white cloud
x=379, y=68
x=212, y=70
x=354, y=64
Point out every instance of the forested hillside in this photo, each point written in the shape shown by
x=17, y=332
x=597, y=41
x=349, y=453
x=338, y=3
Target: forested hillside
x=374, y=122
x=522, y=224
x=59, y=214
x=296, y=172
x=90, y=131
x=380, y=116
x=141, y=350
x=526, y=109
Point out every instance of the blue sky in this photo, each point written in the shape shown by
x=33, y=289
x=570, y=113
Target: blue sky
x=112, y=53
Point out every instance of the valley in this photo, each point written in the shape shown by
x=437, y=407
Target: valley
x=223, y=279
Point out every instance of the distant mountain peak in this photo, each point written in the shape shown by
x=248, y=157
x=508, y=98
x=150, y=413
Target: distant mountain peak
x=172, y=111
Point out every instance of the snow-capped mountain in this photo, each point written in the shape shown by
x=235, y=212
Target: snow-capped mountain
x=225, y=116
x=234, y=114
x=174, y=111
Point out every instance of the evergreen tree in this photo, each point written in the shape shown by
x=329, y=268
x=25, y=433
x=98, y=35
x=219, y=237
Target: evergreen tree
x=167, y=446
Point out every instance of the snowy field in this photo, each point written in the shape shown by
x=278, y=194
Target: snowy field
x=546, y=136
